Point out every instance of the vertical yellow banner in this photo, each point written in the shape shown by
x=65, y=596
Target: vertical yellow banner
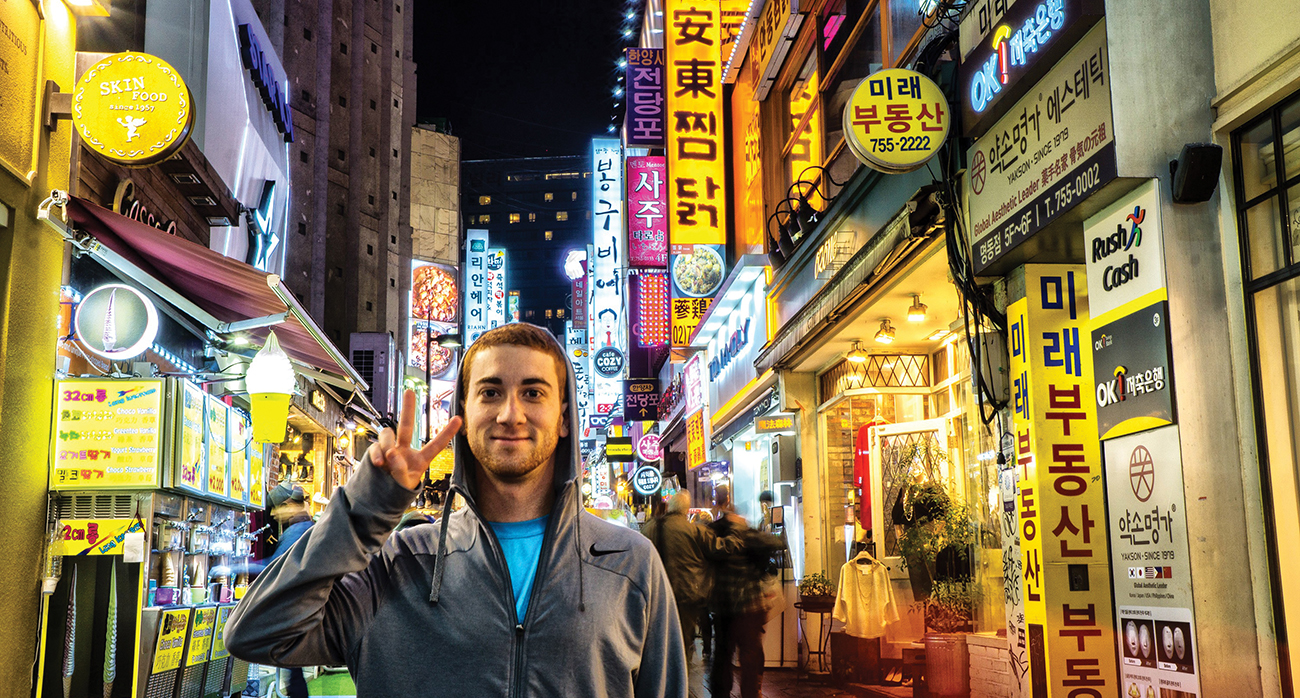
x=1065, y=557
x=696, y=162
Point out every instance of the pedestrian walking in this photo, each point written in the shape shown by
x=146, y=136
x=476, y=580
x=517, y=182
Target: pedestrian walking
x=289, y=509
x=521, y=592
x=739, y=603
x=687, y=550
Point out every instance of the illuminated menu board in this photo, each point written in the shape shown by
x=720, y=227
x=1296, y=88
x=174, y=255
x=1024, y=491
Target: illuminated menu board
x=191, y=460
x=106, y=434
x=256, y=477
x=240, y=445
x=218, y=454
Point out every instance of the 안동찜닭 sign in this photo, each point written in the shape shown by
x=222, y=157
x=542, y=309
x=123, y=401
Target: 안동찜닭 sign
x=896, y=120
x=132, y=109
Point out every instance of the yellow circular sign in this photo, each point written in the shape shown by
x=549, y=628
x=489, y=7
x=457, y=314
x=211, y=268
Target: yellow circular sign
x=896, y=120
x=133, y=109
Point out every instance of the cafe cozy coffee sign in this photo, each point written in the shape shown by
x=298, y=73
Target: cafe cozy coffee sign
x=133, y=109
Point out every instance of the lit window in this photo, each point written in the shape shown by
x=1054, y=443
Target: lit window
x=548, y=313
x=560, y=313
x=532, y=218
x=561, y=215
x=548, y=196
x=484, y=200
x=548, y=234
x=485, y=218
x=514, y=218
x=573, y=196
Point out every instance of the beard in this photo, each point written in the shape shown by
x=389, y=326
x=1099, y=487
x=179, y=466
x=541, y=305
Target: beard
x=515, y=462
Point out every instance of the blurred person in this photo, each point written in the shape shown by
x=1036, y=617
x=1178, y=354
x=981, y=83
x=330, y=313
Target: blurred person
x=289, y=509
x=739, y=610
x=686, y=549
x=520, y=592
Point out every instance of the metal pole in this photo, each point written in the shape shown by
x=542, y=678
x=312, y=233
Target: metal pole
x=428, y=382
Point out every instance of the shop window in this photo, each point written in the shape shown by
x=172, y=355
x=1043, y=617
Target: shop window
x=561, y=215
x=848, y=66
x=548, y=196
x=548, y=313
x=559, y=313
x=484, y=201
x=904, y=25
x=1266, y=170
x=514, y=218
x=837, y=22
x=803, y=130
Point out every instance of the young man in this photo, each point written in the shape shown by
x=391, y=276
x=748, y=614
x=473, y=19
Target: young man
x=520, y=593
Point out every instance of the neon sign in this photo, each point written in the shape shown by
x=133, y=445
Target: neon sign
x=1015, y=49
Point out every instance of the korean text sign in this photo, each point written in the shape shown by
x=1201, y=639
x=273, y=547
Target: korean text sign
x=1150, y=563
x=170, y=650
x=106, y=434
x=192, y=462
x=695, y=453
x=647, y=205
x=645, y=97
x=496, y=287
x=608, y=305
x=476, y=286
x=896, y=120
x=218, y=447
x=1061, y=498
x=1051, y=150
x=696, y=163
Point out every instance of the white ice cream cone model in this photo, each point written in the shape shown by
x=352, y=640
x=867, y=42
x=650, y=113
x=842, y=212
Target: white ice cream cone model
x=270, y=381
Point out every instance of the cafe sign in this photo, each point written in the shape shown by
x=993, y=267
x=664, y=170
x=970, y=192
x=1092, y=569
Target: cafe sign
x=133, y=109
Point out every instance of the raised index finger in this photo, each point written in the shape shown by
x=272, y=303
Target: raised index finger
x=406, y=419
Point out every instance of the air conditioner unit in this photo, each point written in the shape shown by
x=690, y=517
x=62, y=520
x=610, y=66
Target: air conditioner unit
x=374, y=356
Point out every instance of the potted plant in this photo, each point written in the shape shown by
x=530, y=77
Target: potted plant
x=816, y=593
x=927, y=520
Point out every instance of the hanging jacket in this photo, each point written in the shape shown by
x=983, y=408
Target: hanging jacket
x=864, y=602
x=430, y=610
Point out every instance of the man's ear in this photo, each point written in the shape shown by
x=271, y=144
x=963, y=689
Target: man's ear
x=564, y=419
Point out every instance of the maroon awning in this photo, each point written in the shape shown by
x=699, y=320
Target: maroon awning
x=228, y=290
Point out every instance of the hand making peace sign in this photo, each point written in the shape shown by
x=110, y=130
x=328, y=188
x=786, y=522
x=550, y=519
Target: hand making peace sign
x=393, y=452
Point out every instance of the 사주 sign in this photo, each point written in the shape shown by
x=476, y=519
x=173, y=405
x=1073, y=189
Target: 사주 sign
x=132, y=109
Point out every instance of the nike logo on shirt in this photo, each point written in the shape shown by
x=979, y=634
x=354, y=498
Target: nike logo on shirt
x=598, y=553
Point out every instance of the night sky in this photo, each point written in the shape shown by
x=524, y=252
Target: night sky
x=519, y=78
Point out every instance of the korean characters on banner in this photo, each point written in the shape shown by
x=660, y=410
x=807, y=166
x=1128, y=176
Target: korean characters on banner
x=1150, y=566
x=1061, y=499
x=697, y=271
x=496, y=287
x=647, y=205
x=896, y=120
x=576, y=347
x=608, y=305
x=476, y=286
x=645, y=118
x=641, y=400
x=696, y=163
x=695, y=440
x=106, y=434
x=579, y=288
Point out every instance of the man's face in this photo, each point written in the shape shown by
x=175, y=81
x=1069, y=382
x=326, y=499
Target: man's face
x=515, y=412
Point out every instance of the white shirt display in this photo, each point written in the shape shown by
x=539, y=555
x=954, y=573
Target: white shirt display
x=864, y=602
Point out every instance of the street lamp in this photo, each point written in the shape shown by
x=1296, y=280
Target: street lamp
x=446, y=341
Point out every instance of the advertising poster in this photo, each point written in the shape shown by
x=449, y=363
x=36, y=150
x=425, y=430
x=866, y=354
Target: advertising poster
x=645, y=97
x=607, y=339
x=580, y=298
x=1124, y=252
x=426, y=350
x=1061, y=483
x=512, y=306
x=695, y=451
x=476, y=289
x=1049, y=152
x=693, y=381
x=171, y=639
x=433, y=292
x=697, y=272
x=256, y=474
x=218, y=633
x=241, y=446
x=205, y=619
x=106, y=434
x=218, y=451
x=647, y=206
x=576, y=346
x=1150, y=565
x=93, y=536
x=192, y=465
x=496, y=287
x=1132, y=372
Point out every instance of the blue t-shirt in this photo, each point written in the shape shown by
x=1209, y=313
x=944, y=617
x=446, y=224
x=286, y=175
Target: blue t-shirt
x=521, y=542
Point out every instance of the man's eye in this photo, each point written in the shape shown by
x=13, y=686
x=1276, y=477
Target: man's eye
x=488, y=393
x=534, y=394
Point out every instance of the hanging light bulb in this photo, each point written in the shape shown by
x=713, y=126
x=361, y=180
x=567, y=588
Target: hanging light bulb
x=886, y=333
x=916, y=313
x=856, y=355
x=270, y=381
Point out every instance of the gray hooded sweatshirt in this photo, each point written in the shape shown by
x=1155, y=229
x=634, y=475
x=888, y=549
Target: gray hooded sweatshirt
x=430, y=611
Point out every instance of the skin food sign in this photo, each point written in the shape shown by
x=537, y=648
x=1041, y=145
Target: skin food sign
x=133, y=109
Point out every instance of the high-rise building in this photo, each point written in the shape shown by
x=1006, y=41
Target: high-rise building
x=352, y=90
x=537, y=209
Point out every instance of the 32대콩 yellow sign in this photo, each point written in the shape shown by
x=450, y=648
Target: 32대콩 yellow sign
x=107, y=434
x=133, y=109
x=896, y=120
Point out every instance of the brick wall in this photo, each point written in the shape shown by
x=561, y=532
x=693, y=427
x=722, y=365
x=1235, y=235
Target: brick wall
x=989, y=669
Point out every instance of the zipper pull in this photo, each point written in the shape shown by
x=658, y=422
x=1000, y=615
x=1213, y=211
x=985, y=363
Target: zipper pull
x=519, y=629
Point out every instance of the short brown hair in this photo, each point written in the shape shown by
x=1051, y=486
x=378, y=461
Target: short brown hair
x=520, y=334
